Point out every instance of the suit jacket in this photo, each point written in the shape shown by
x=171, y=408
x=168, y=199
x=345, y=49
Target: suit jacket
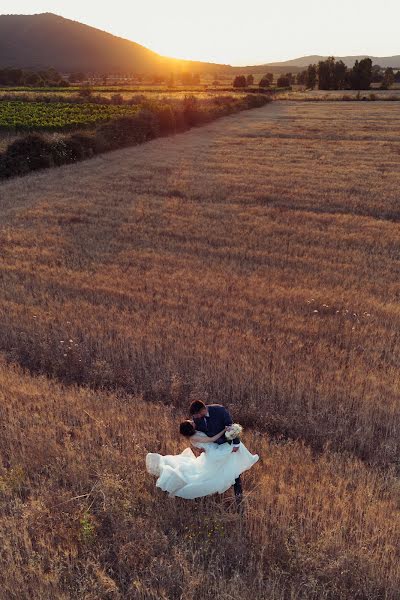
x=218, y=419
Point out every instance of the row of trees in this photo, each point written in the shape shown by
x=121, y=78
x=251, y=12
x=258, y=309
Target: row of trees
x=243, y=81
x=331, y=74
x=328, y=75
x=335, y=75
x=386, y=77
x=21, y=77
x=184, y=78
x=50, y=77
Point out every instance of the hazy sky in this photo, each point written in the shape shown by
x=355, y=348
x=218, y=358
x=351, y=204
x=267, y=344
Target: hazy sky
x=238, y=31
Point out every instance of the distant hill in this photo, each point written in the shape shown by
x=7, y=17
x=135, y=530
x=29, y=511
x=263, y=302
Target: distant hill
x=48, y=40
x=304, y=61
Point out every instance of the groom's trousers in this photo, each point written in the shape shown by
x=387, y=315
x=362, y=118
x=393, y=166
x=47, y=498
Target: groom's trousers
x=238, y=487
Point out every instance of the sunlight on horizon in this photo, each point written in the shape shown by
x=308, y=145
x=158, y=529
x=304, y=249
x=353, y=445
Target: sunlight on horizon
x=228, y=32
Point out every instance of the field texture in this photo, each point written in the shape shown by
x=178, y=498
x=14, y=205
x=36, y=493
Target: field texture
x=373, y=94
x=41, y=116
x=254, y=261
x=129, y=93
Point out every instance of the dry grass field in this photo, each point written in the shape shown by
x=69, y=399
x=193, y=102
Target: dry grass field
x=299, y=93
x=254, y=261
x=79, y=517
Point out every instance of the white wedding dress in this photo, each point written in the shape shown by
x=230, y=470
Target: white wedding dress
x=188, y=476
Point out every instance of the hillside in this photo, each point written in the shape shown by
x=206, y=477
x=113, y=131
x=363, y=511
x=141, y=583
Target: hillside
x=27, y=41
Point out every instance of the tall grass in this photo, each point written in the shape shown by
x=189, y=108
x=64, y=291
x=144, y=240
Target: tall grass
x=172, y=270
x=80, y=517
x=255, y=262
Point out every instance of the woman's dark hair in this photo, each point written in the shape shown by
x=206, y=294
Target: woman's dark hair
x=196, y=407
x=187, y=429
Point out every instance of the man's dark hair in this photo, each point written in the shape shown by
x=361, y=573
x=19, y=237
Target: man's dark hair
x=186, y=428
x=196, y=407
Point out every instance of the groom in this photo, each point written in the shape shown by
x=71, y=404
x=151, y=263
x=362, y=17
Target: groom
x=210, y=419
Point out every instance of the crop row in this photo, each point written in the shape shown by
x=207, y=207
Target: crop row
x=41, y=116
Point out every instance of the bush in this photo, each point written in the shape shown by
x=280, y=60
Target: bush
x=225, y=105
x=85, y=92
x=114, y=134
x=264, y=82
x=240, y=81
x=283, y=82
x=256, y=100
x=27, y=154
x=59, y=152
x=191, y=111
x=180, y=119
x=86, y=142
x=166, y=119
x=223, y=100
x=74, y=148
x=127, y=131
x=117, y=99
x=3, y=167
x=147, y=126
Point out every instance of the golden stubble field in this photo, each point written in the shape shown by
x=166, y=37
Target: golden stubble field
x=254, y=261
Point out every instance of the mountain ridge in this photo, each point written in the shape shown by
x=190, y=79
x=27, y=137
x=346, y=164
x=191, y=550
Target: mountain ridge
x=27, y=41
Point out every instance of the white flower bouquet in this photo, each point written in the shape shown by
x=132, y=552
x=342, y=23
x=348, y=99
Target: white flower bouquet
x=233, y=431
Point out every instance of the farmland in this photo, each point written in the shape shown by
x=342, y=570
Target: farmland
x=40, y=116
x=128, y=92
x=254, y=262
x=51, y=113
x=112, y=123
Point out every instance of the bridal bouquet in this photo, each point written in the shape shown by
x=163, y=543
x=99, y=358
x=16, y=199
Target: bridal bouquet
x=233, y=431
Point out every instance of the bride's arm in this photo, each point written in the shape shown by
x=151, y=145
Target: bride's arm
x=208, y=440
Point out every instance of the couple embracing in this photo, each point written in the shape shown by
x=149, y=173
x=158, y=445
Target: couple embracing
x=222, y=459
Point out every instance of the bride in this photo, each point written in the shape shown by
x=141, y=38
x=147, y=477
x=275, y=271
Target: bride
x=188, y=476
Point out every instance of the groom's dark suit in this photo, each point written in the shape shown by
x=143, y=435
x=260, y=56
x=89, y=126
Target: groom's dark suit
x=218, y=418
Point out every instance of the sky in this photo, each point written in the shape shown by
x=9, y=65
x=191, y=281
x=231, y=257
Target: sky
x=238, y=32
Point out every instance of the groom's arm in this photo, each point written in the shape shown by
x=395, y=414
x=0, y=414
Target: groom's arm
x=228, y=421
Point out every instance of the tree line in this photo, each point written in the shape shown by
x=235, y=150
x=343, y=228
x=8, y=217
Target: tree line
x=329, y=74
x=21, y=77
